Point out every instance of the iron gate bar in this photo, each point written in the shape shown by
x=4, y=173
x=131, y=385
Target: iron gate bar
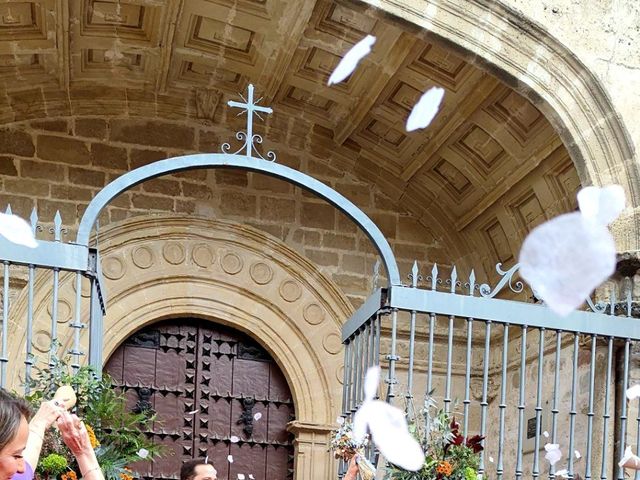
x=506, y=311
x=252, y=164
x=48, y=254
x=367, y=310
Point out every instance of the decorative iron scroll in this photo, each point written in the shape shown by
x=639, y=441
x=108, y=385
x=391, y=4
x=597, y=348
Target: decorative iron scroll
x=246, y=417
x=507, y=278
x=248, y=138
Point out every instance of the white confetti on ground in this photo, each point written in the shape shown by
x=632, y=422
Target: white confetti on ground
x=234, y=439
x=388, y=427
x=558, y=272
x=17, y=230
x=351, y=59
x=553, y=454
x=426, y=109
x=257, y=416
x=230, y=458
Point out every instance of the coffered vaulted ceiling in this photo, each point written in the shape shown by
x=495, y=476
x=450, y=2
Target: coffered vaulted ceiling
x=185, y=58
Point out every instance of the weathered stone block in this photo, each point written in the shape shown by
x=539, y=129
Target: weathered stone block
x=231, y=177
x=339, y=242
x=277, y=209
x=51, y=125
x=47, y=210
x=107, y=156
x=37, y=169
x=19, y=205
x=16, y=142
x=35, y=188
x=238, y=203
x=63, y=149
x=271, y=184
x=317, y=215
x=185, y=206
x=322, y=257
x=163, y=186
x=8, y=166
x=70, y=192
x=147, y=132
x=84, y=176
x=91, y=127
x=139, y=158
x=139, y=200
x=194, y=190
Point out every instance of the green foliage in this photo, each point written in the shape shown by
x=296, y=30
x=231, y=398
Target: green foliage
x=53, y=465
x=444, y=446
x=119, y=431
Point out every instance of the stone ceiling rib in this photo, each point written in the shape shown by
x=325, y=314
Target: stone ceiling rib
x=172, y=14
x=62, y=40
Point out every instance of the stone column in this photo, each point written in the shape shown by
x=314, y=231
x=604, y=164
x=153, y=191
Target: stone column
x=312, y=456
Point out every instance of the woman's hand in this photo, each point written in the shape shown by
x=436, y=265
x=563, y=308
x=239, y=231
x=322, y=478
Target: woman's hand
x=74, y=434
x=46, y=415
x=352, y=471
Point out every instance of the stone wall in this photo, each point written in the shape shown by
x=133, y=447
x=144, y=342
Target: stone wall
x=60, y=165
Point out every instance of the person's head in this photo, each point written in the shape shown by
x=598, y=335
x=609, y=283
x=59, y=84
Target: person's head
x=14, y=431
x=198, y=469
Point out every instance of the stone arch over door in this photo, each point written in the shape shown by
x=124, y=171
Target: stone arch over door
x=165, y=267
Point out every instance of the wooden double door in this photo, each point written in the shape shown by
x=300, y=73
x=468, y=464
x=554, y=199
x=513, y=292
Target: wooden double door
x=215, y=393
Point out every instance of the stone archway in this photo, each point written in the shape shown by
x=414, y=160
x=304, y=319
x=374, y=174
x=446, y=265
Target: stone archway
x=497, y=38
x=168, y=267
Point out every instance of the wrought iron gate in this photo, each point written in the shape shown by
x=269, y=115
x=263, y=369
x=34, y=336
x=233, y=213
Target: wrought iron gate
x=216, y=393
x=518, y=371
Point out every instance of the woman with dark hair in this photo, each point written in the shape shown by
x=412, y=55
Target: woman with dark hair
x=21, y=442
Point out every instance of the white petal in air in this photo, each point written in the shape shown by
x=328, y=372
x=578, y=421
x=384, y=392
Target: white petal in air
x=562, y=473
x=350, y=61
x=629, y=460
x=577, y=454
x=390, y=433
x=17, y=230
x=426, y=109
x=241, y=476
x=371, y=380
x=234, y=439
x=257, y=416
x=230, y=458
x=545, y=434
x=143, y=453
x=633, y=392
x=553, y=454
x=339, y=420
x=602, y=205
x=565, y=259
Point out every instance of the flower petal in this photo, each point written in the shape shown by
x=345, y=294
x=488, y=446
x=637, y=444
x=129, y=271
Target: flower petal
x=633, y=392
x=234, y=439
x=351, y=59
x=553, y=453
x=371, y=380
x=143, y=453
x=426, y=109
x=558, y=272
x=17, y=230
x=602, y=205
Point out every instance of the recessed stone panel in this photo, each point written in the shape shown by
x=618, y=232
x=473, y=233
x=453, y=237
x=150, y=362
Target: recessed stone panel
x=522, y=119
x=339, y=20
x=21, y=20
x=440, y=64
x=452, y=177
x=529, y=211
x=481, y=147
x=498, y=242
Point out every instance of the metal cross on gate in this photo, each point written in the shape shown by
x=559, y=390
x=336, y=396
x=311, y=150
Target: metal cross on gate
x=250, y=107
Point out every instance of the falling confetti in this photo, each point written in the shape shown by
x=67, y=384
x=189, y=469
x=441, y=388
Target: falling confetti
x=553, y=454
x=629, y=460
x=577, y=454
x=230, y=458
x=426, y=109
x=633, y=392
x=562, y=473
x=143, y=453
x=350, y=61
x=241, y=476
x=491, y=459
x=17, y=230
x=340, y=421
x=234, y=439
x=545, y=434
x=388, y=427
x=193, y=412
x=251, y=477
x=564, y=276
x=257, y=416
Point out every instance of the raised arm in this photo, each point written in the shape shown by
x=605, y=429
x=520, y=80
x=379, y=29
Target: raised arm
x=75, y=436
x=46, y=415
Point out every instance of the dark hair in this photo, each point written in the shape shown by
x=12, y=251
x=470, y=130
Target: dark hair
x=12, y=409
x=188, y=469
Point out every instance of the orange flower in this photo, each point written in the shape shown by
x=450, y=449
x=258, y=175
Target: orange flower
x=444, y=468
x=71, y=475
x=125, y=476
x=92, y=437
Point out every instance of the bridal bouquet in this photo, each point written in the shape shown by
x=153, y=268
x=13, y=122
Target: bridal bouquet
x=344, y=446
x=448, y=454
